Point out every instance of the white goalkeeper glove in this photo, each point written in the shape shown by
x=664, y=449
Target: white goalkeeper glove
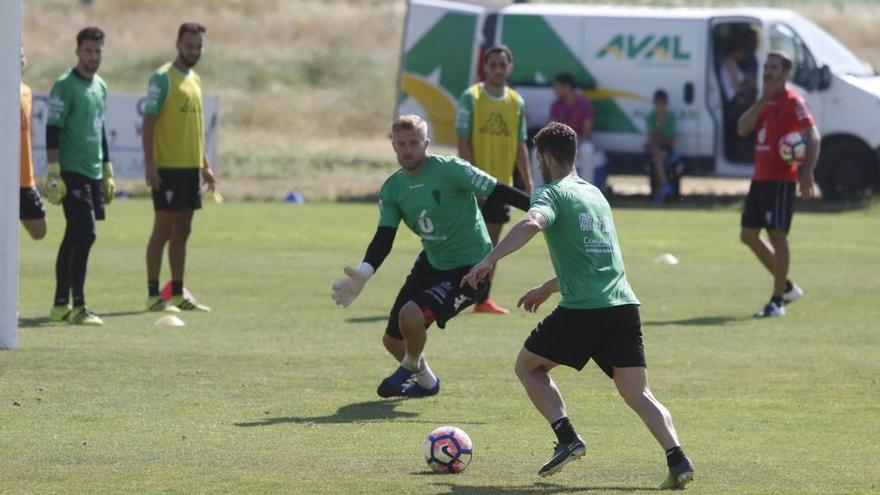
x=346, y=290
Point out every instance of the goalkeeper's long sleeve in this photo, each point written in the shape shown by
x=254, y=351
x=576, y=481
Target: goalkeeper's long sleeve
x=511, y=196
x=380, y=246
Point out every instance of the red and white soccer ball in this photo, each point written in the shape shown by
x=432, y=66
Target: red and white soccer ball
x=448, y=450
x=793, y=148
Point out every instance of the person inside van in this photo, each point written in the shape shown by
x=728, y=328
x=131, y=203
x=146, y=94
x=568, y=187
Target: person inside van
x=662, y=158
x=749, y=64
x=738, y=86
x=738, y=78
x=575, y=110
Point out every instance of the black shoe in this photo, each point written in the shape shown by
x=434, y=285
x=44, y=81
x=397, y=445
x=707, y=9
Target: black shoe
x=679, y=476
x=562, y=455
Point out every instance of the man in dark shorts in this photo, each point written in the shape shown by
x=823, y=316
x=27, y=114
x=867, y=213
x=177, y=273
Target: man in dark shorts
x=173, y=138
x=491, y=127
x=435, y=196
x=598, y=316
x=30, y=207
x=80, y=175
x=770, y=202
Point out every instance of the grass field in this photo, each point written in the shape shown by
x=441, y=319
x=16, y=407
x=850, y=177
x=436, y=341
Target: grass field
x=274, y=391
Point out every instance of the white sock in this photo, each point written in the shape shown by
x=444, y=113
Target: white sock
x=411, y=363
x=425, y=377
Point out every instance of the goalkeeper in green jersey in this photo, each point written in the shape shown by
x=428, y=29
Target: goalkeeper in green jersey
x=80, y=176
x=436, y=198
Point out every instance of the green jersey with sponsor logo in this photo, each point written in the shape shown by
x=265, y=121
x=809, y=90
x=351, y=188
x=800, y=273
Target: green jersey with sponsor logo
x=76, y=105
x=438, y=203
x=583, y=245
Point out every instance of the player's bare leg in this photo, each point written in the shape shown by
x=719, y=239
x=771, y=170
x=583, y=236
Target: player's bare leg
x=162, y=226
x=779, y=240
x=775, y=258
x=632, y=383
x=414, y=377
x=487, y=305
x=160, y=236
x=394, y=346
x=36, y=228
x=752, y=239
x=180, y=230
x=533, y=372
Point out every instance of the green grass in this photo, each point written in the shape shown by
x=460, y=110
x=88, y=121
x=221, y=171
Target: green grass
x=274, y=391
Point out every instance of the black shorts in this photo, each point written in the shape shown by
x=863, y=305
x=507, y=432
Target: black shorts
x=84, y=197
x=180, y=189
x=436, y=292
x=30, y=207
x=610, y=336
x=769, y=204
x=495, y=210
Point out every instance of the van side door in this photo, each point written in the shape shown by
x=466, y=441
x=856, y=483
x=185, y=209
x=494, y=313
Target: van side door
x=438, y=58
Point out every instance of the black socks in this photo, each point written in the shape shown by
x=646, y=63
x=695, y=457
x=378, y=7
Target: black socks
x=674, y=456
x=564, y=430
x=153, y=288
x=177, y=287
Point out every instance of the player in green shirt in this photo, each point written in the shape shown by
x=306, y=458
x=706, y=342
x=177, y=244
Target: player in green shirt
x=435, y=196
x=598, y=316
x=173, y=139
x=80, y=175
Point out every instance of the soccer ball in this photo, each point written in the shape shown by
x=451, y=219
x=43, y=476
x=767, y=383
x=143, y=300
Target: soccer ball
x=448, y=450
x=793, y=148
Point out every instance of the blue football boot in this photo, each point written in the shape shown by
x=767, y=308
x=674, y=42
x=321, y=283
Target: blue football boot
x=414, y=390
x=393, y=385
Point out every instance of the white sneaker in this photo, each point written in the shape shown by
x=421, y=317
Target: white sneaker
x=771, y=310
x=794, y=294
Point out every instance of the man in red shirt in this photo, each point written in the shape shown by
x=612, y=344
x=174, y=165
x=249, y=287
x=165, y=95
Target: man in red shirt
x=770, y=202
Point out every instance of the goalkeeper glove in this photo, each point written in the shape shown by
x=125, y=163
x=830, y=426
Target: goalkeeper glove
x=54, y=186
x=345, y=290
x=107, y=184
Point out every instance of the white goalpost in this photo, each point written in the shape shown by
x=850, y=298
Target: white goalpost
x=10, y=129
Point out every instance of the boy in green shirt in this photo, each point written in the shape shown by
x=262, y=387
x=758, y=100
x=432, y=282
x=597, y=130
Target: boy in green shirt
x=660, y=145
x=598, y=316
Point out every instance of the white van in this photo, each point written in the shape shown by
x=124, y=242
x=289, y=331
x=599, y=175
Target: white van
x=622, y=54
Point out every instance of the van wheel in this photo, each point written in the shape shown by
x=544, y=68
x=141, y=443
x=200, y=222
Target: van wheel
x=846, y=170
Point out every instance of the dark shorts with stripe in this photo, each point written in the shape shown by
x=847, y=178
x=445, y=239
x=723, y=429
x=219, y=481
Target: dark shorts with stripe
x=609, y=336
x=769, y=204
x=30, y=207
x=436, y=292
x=84, y=198
x=180, y=189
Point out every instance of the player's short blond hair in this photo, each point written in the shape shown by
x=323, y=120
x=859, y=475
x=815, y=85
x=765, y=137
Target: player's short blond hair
x=409, y=123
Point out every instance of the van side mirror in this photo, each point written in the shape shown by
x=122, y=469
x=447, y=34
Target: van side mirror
x=824, y=77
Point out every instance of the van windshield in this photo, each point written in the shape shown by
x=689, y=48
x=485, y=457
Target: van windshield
x=828, y=50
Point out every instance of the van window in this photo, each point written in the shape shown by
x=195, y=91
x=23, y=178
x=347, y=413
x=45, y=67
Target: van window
x=828, y=50
x=785, y=39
